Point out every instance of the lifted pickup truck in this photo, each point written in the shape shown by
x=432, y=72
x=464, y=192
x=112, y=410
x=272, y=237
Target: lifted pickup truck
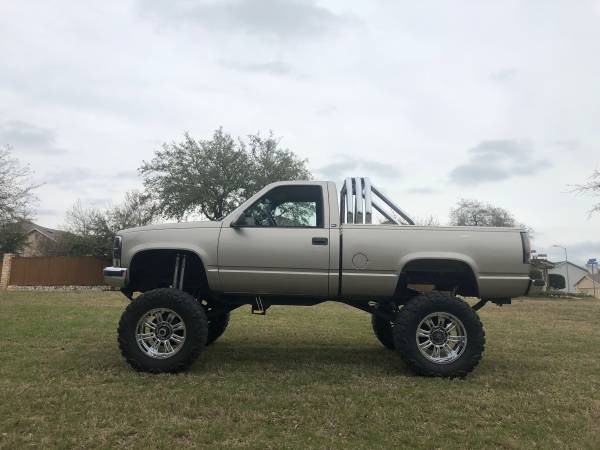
x=295, y=243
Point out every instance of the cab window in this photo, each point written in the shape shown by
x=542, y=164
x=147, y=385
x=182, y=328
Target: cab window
x=287, y=206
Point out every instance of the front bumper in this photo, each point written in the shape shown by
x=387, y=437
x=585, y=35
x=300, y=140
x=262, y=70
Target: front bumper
x=115, y=276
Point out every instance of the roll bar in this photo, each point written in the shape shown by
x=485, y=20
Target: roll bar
x=358, y=197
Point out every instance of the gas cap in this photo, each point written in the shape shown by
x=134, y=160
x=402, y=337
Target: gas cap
x=360, y=261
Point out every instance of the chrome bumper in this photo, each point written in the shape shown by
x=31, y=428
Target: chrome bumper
x=115, y=276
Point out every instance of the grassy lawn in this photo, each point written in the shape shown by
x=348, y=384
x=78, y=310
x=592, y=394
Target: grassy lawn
x=296, y=378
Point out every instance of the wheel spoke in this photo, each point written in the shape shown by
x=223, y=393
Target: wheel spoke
x=177, y=338
x=155, y=346
x=170, y=317
x=451, y=326
x=425, y=345
x=450, y=353
x=149, y=324
x=423, y=333
x=145, y=336
x=178, y=326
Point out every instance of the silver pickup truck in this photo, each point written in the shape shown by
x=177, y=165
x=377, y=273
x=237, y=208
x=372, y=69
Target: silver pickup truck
x=299, y=243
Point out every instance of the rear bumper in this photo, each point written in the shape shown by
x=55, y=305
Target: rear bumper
x=498, y=286
x=115, y=276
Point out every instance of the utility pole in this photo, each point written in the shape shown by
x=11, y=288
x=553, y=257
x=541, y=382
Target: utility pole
x=593, y=262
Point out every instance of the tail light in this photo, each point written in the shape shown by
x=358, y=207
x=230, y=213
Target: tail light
x=116, y=251
x=526, y=244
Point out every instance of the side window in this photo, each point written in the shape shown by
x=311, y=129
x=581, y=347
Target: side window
x=287, y=206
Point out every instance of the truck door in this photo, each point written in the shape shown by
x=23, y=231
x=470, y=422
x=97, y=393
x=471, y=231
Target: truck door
x=279, y=245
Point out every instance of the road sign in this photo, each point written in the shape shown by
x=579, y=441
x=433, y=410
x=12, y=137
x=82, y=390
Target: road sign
x=592, y=262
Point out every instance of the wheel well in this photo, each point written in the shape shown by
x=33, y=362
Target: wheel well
x=443, y=275
x=151, y=269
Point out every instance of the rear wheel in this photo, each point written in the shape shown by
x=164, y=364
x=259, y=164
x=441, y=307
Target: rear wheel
x=437, y=334
x=216, y=327
x=383, y=330
x=163, y=330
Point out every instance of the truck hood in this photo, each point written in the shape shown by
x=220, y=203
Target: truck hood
x=173, y=226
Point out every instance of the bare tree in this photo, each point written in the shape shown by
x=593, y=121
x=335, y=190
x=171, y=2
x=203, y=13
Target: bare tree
x=90, y=231
x=592, y=186
x=16, y=188
x=136, y=210
x=16, y=200
x=428, y=221
x=479, y=214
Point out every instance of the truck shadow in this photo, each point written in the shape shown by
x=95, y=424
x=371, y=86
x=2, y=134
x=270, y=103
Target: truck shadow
x=302, y=356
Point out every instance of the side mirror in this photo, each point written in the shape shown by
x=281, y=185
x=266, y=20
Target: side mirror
x=240, y=222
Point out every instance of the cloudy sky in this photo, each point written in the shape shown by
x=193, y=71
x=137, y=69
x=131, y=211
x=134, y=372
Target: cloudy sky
x=497, y=101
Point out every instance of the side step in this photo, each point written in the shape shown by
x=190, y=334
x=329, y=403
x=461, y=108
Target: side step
x=258, y=307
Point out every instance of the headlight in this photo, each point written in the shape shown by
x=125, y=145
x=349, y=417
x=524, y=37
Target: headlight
x=116, y=253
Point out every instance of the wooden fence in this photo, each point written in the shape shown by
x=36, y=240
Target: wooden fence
x=57, y=271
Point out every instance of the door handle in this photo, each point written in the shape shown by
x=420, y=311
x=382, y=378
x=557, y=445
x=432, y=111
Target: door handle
x=319, y=241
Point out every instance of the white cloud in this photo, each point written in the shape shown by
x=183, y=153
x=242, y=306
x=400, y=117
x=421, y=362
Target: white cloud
x=26, y=137
x=497, y=160
x=302, y=19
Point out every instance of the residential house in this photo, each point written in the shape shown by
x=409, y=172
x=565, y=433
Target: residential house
x=40, y=241
x=589, y=285
x=572, y=273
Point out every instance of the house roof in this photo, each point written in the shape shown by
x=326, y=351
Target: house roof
x=50, y=233
x=562, y=263
x=596, y=278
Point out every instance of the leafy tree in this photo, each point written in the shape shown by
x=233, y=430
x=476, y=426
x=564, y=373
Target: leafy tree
x=269, y=163
x=12, y=238
x=591, y=186
x=16, y=200
x=91, y=231
x=214, y=176
x=476, y=213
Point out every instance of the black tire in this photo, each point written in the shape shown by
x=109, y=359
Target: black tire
x=216, y=327
x=416, y=310
x=383, y=330
x=196, y=330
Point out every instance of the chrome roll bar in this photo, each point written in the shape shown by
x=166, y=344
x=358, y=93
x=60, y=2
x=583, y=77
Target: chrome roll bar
x=358, y=197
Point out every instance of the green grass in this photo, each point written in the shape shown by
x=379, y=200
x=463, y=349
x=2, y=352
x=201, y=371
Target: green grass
x=297, y=378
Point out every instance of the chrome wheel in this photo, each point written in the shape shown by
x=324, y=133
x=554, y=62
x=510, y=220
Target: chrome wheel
x=160, y=333
x=441, y=338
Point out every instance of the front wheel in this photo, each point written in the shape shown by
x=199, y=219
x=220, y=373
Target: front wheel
x=163, y=330
x=437, y=334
